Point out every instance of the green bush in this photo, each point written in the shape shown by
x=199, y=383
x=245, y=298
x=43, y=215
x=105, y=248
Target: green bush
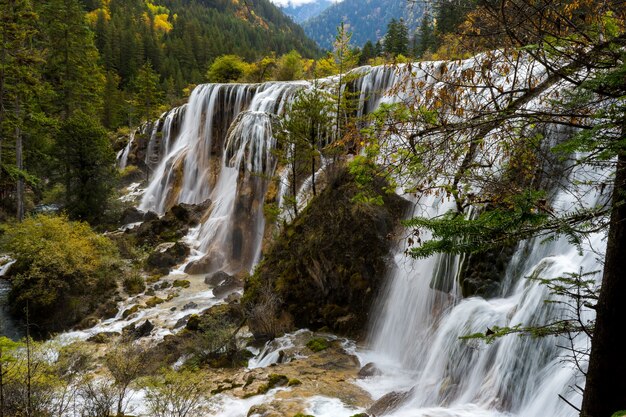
x=318, y=344
x=63, y=270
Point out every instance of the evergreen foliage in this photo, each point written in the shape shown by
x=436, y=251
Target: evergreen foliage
x=88, y=172
x=366, y=19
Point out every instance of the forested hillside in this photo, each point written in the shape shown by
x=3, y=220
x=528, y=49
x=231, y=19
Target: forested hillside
x=180, y=38
x=306, y=11
x=366, y=19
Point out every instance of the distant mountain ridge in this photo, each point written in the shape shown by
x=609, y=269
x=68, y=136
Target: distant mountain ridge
x=366, y=19
x=306, y=11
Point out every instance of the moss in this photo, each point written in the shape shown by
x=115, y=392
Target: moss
x=277, y=380
x=262, y=389
x=130, y=311
x=153, y=278
x=318, y=344
x=181, y=283
x=294, y=382
x=619, y=414
x=154, y=301
x=302, y=415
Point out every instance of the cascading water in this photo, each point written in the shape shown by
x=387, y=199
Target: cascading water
x=122, y=155
x=218, y=147
x=223, y=153
x=415, y=338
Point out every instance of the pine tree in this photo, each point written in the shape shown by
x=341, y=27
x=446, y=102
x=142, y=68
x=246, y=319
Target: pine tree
x=20, y=83
x=83, y=148
x=345, y=59
x=368, y=52
x=148, y=96
x=72, y=60
x=425, y=39
x=391, y=38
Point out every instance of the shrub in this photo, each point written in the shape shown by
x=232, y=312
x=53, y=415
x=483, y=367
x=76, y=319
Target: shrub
x=318, y=344
x=63, y=270
x=134, y=284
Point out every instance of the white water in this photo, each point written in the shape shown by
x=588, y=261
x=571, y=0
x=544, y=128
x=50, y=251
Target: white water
x=122, y=155
x=222, y=152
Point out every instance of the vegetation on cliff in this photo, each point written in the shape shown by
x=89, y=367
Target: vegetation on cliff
x=325, y=268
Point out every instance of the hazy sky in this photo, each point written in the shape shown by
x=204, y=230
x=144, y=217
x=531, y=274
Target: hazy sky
x=294, y=2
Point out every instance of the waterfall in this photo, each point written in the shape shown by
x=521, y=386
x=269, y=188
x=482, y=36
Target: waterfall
x=415, y=337
x=218, y=147
x=122, y=155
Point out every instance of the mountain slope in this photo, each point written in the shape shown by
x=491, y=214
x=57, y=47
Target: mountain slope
x=306, y=11
x=366, y=19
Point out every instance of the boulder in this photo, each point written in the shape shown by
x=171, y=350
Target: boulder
x=182, y=322
x=389, y=403
x=190, y=306
x=171, y=227
x=216, y=278
x=132, y=332
x=228, y=286
x=166, y=256
x=132, y=215
x=326, y=267
x=369, y=370
x=202, y=266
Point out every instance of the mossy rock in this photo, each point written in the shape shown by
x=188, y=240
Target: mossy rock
x=181, y=283
x=318, y=344
x=277, y=380
x=293, y=382
x=326, y=267
x=130, y=311
x=619, y=414
x=154, y=301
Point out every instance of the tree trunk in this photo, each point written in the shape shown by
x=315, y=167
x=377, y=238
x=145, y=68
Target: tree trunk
x=605, y=389
x=19, y=160
x=294, y=185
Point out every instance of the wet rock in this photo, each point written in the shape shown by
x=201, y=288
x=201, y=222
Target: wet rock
x=129, y=311
x=172, y=226
x=191, y=214
x=132, y=215
x=201, y=266
x=103, y=337
x=87, y=322
x=227, y=286
x=369, y=370
x=216, y=278
x=166, y=256
x=135, y=333
x=389, y=403
x=150, y=216
x=182, y=322
x=190, y=306
x=154, y=301
x=181, y=283
x=233, y=298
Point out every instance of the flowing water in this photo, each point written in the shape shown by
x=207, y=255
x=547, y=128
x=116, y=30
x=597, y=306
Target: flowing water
x=218, y=147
